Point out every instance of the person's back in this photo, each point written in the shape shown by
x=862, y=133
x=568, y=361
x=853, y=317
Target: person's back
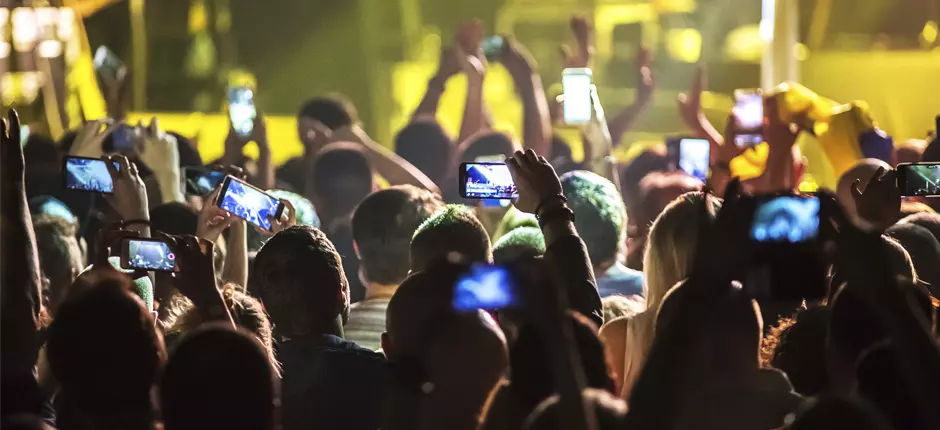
x=328, y=383
x=382, y=227
x=601, y=220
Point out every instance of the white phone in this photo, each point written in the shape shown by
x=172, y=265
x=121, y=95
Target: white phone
x=576, y=87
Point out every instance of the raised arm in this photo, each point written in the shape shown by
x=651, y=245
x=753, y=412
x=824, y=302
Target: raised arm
x=21, y=288
x=159, y=151
x=473, y=63
x=396, y=170
x=537, y=127
x=690, y=109
x=447, y=67
x=624, y=120
x=540, y=193
x=195, y=277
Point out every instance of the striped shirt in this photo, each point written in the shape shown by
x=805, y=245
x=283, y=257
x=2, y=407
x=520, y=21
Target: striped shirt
x=366, y=322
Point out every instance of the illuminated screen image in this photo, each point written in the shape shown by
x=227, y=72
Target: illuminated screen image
x=200, y=182
x=150, y=255
x=693, y=157
x=749, y=111
x=242, y=110
x=577, y=101
x=249, y=204
x=489, y=181
x=88, y=174
x=786, y=219
x=485, y=287
x=922, y=180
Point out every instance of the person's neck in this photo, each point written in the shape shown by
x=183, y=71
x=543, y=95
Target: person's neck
x=380, y=291
x=334, y=328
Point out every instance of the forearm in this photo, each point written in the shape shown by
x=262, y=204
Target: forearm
x=21, y=291
x=397, y=170
x=236, y=260
x=432, y=98
x=779, y=170
x=537, y=126
x=565, y=250
x=169, y=183
x=473, y=113
x=265, y=178
x=624, y=120
x=703, y=128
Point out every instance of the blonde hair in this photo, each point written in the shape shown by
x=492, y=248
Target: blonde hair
x=669, y=257
x=246, y=310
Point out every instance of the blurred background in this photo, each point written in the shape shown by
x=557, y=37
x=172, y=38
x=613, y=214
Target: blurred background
x=183, y=54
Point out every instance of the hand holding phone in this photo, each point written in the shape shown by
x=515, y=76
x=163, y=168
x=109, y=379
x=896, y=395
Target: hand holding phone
x=577, y=104
x=147, y=254
x=88, y=174
x=493, y=47
x=691, y=156
x=748, y=112
x=249, y=203
x=199, y=181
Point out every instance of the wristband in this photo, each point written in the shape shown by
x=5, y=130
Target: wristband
x=562, y=212
x=135, y=221
x=544, y=202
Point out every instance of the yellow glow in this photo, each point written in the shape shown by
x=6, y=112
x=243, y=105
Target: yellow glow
x=684, y=44
x=25, y=30
x=745, y=44
x=66, y=23
x=800, y=52
x=929, y=33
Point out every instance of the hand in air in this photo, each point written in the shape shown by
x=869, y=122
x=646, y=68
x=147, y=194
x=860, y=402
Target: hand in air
x=470, y=50
x=129, y=195
x=535, y=180
x=213, y=220
x=779, y=135
x=690, y=103
x=582, y=31
x=13, y=163
x=517, y=60
x=90, y=138
x=287, y=219
x=880, y=202
x=646, y=80
x=156, y=149
x=449, y=63
x=195, y=264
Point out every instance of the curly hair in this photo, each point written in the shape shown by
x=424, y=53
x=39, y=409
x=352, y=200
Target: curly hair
x=600, y=214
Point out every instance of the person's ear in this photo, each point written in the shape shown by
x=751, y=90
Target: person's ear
x=386, y=344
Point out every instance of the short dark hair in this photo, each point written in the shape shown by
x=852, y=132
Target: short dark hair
x=342, y=177
x=59, y=253
x=923, y=248
x=218, y=377
x=487, y=143
x=452, y=229
x=331, y=111
x=383, y=225
x=103, y=348
x=600, y=215
x=299, y=277
x=424, y=143
x=176, y=218
x=422, y=301
x=520, y=243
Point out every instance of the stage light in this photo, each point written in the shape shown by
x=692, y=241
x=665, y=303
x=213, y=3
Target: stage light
x=25, y=29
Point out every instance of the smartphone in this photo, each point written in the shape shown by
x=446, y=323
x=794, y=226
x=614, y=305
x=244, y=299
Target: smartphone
x=485, y=287
x=88, y=174
x=147, y=254
x=24, y=135
x=919, y=179
x=241, y=109
x=493, y=47
x=748, y=114
x=107, y=64
x=199, y=181
x=786, y=219
x=248, y=203
x=486, y=181
x=576, y=88
x=690, y=155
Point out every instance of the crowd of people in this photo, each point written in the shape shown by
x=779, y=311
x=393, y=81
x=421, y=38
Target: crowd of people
x=638, y=300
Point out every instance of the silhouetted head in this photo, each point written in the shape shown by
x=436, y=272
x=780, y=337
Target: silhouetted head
x=862, y=171
x=298, y=276
x=486, y=144
x=60, y=255
x=452, y=229
x=323, y=115
x=105, y=353
x=382, y=227
x=218, y=377
x=426, y=145
x=830, y=412
x=342, y=177
x=923, y=248
x=521, y=243
x=800, y=348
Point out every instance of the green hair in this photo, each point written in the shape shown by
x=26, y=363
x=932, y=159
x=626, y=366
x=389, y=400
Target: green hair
x=454, y=228
x=514, y=219
x=523, y=241
x=449, y=215
x=600, y=214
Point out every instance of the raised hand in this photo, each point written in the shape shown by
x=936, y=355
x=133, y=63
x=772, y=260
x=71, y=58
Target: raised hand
x=880, y=202
x=449, y=63
x=89, y=140
x=129, y=195
x=690, y=103
x=779, y=135
x=469, y=51
x=582, y=31
x=12, y=152
x=287, y=219
x=517, y=60
x=535, y=179
x=156, y=149
x=212, y=220
x=646, y=81
x=195, y=275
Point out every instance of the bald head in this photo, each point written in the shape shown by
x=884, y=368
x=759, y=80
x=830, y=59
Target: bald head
x=862, y=171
